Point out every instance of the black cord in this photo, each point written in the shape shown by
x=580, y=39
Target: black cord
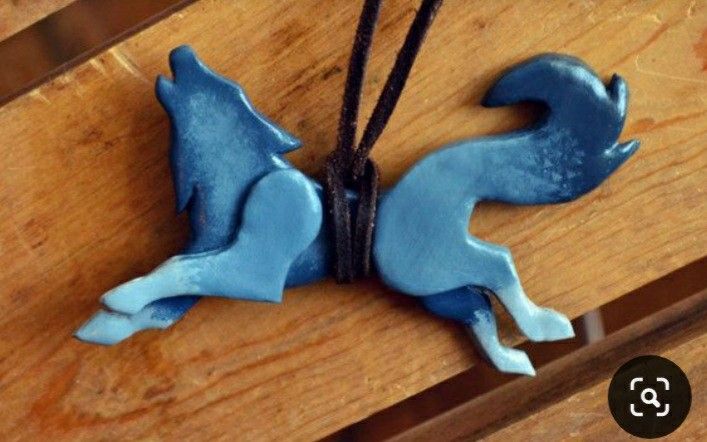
x=349, y=166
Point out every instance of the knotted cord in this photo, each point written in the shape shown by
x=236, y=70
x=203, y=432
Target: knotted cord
x=350, y=166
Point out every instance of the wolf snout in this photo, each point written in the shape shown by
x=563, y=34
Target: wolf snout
x=183, y=60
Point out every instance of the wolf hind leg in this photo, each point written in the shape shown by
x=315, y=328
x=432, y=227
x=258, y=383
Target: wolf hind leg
x=281, y=218
x=472, y=307
x=495, y=270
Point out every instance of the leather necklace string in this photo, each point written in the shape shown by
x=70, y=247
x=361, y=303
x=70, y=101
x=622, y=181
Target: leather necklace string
x=349, y=165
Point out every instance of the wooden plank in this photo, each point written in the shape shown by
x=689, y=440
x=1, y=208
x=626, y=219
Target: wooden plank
x=86, y=202
x=523, y=399
x=19, y=14
x=53, y=45
x=586, y=413
x=495, y=412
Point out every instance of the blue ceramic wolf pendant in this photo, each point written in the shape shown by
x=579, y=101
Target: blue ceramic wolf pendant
x=257, y=225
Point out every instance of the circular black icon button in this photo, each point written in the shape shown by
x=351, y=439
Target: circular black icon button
x=649, y=396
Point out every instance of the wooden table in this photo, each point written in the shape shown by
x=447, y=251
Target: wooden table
x=86, y=202
x=18, y=14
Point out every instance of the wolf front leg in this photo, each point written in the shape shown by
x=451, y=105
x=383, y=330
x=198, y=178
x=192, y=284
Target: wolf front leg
x=281, y=218
x=109, y=328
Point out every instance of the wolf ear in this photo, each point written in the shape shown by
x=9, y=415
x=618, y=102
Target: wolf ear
x=165, y=91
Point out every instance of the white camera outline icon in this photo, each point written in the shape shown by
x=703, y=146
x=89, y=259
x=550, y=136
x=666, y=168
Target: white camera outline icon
x=654, y=397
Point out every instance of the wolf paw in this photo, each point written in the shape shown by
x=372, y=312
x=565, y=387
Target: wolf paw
x=548, y=325
x=510, y=360
x=128, y=298
x=106, y=328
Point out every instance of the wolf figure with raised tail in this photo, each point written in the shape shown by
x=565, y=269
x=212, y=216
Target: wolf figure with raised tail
x=256, y=221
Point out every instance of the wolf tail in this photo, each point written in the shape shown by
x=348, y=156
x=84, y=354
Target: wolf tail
x=570, y=150
x=422, y=244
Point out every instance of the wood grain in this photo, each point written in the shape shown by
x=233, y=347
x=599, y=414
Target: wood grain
x=589, y=418
x=16, y=15
x=586, y=414
x=71, y=36
x=523, y=399
x=86, y=202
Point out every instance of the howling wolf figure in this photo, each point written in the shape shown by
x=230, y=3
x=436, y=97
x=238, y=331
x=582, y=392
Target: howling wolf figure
x=256, y=221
